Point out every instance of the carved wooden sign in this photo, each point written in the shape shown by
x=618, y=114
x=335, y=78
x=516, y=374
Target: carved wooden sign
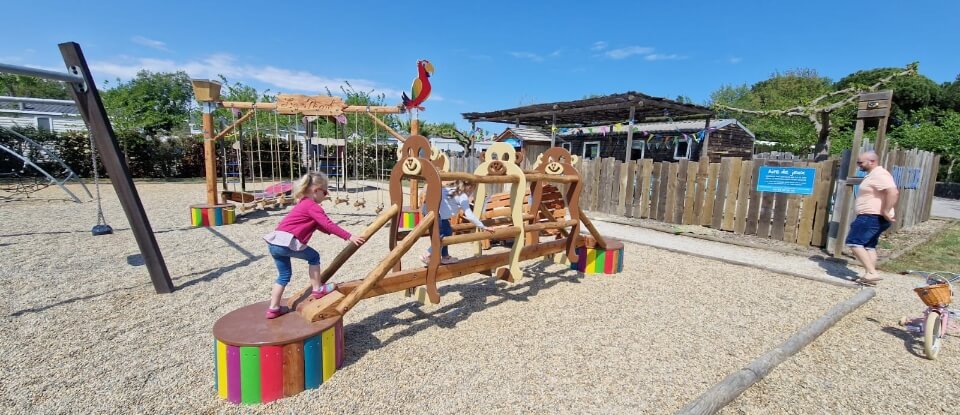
x=309, y=105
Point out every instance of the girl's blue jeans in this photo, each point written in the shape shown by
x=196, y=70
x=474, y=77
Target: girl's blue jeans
x=445, y=231
x=281, y=257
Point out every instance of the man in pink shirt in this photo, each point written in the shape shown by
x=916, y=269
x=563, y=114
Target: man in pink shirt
x=876, y=198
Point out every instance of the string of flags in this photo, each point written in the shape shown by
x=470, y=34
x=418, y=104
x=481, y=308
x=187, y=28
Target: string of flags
x=653, y=140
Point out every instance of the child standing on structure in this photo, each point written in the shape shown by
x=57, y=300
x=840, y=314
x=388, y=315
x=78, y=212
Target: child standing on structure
x=453, y=199
x=290, y=238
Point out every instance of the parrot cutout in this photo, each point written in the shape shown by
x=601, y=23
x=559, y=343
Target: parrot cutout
x=421, y=86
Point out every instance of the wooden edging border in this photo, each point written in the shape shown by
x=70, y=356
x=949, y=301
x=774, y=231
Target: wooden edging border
x=735, y=383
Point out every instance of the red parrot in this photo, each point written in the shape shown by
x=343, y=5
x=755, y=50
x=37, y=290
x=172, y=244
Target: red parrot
x=421, y=86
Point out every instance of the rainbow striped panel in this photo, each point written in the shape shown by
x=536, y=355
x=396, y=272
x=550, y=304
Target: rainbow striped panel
x=254, y=375
x=598, y=261
x=409, y=219
x=220, y=215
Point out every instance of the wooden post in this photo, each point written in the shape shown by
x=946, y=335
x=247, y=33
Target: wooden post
x=633, y=113
x=704, y=149
x=414, y=185
x=91, y=108
x=209, y=152
x=553, y=131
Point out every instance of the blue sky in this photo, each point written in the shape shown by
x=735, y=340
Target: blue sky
x=489, y=55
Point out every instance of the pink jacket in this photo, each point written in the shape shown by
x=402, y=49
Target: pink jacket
x=307, y=216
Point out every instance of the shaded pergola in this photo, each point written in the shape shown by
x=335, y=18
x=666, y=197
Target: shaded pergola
x=628, y=106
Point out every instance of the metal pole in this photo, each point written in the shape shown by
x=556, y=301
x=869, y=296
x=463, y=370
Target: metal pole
x=26, y=100
x=553, y=131
x=633, y=113
x=41, y=73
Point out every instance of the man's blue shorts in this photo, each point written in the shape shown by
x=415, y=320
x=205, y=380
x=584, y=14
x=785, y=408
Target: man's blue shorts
x=865, y=231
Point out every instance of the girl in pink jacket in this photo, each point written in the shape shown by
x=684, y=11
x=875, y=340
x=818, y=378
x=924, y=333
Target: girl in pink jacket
x=290, y=238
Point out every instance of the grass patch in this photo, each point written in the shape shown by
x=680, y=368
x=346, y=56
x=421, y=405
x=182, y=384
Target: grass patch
x=941, y=253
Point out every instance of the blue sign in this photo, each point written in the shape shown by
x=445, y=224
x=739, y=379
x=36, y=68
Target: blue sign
x=793, y=180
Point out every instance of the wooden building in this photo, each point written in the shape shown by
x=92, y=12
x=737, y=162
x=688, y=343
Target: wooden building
x=532, y=141
x=661, y=141
x=614, y=118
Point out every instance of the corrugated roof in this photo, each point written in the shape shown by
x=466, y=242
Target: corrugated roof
x=11, y=104
x=525, y=134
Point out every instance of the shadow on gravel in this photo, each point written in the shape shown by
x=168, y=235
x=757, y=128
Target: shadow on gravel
x=910, y=341
x=476, y=296
x=835, y=267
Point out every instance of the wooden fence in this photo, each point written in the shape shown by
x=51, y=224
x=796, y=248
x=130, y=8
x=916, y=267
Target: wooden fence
x=719, y=195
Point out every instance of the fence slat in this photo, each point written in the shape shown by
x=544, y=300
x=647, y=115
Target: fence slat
x=766, y=210
x=753, y=211
x=682, y=168
x=780, y=201
x=670, y=210
x=690, y=193
x=809, y=209
x=664, y=181
x=706, y=217
x=793, y=216
x=719, y=203
x=628, y=189
x=733, y=186
x=703, y=170
x=646, y=173
x=614, y=185
x=743, y=197
x=931, y=186
x=655, y=195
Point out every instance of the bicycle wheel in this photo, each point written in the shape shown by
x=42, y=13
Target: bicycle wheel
x=932, y=336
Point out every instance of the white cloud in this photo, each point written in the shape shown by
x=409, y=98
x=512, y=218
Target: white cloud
x=283, y=79
x=735, y=60
x=527, y=55
x=627, y=52
x=661, y=57
x=599, y=45
x=150, y=43
x=555, y=53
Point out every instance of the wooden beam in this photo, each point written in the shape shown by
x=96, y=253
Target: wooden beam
x=387, y=128
x=551, y=178
x=499, y=233
x=602, y=243
x=473, y=178
x=633, y=114
x=236, y=124
x=209, y=155
x=91, y=109
x=345, y=254
x=380, y=270
x=272, y=106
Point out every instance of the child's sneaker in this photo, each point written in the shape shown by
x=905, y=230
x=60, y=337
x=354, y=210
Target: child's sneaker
x=324, y=290
x=449, y=260
x=273, y=313
x=425, y=258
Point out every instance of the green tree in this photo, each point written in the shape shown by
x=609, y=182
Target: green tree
x=911, y=93
x=29, y=86
x=152, y=103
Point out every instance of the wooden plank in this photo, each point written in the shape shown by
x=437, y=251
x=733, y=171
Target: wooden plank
x=597, y=169
x=706, y=216
x=780, y=201
x=721, y=197
x=292, y=369
x=703, y=170
x=616, y=171
x=793, y=215
x=681, y=187
x=625, y=187
x=662, y=198
x=808, y=209
x=822, y=194
x=931, y=186
x=743, y=197
x=628, y=189
x=646, y=173
x=670, y=212
x=586, y=174
x=690, y=193
x=900, y=208
x=655, y=192
x=733, y=186
x=753, y=210
x=766, y=209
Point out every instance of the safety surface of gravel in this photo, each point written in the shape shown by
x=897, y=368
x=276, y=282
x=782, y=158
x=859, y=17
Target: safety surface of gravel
x=83, y=332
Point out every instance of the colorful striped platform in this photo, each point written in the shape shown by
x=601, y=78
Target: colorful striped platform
x=258, y=360
x=409, y=218
x=591, y=259
x=212, y=215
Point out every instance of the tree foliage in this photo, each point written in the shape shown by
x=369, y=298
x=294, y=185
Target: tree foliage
x=33, y=87
x=152, y=103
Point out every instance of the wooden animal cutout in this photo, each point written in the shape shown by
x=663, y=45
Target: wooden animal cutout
x=500, y=160
x=345, y=200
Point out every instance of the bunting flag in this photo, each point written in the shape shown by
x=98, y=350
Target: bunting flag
x=603, y=130
x=341, y=119
x=618, y=127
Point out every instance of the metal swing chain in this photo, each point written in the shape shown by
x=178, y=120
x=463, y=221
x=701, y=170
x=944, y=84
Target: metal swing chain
x=101, y=220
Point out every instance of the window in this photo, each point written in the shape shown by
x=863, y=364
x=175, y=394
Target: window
x=638, y=150
x=44, y=124
x=567, y=146
x=591, y=150
x=681, y=151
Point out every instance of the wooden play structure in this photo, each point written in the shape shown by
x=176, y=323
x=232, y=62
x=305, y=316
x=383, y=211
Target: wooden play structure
x=259, y=360
x=208, y=94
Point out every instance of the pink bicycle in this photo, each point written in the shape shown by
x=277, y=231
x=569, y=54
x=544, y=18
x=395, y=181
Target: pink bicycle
x=935, y=323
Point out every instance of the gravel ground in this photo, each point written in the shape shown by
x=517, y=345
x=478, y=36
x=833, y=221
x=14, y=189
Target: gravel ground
x=82, y=330
x=867, y=363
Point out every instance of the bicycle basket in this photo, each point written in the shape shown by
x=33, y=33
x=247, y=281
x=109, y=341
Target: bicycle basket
x=934, y=295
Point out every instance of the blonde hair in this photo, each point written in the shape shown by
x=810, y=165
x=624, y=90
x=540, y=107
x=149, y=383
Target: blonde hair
x=303, y=184
x=458, y=187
